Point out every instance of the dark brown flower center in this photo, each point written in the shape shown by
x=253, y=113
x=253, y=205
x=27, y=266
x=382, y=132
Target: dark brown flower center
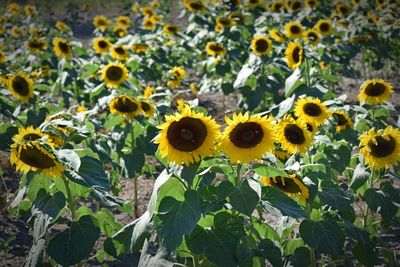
x=36, y=158
x=102, y=44
x=187, y=134
x=312, y=109
x=383, y=147
x=296, y=54
x=224, y=21
x=261, y=45
x=324, y=27
x=172, y=28
x=64, y=47
x=20, y=85
x=341, y=119
x=277, y=7
x=119, y=50
x=34, y=44
x=196, y=5
x=296, y=5
x=246, y=134
x=102, y=22
x=295, y=29
x=31, y=137
x=285, y=184
x=375, y=89
x=145, y=106
x=216, y=47
x=114, y=73
x=125, y=105
x=312, y=36
x=311, y=3
x=294, y=134
x=310, y=128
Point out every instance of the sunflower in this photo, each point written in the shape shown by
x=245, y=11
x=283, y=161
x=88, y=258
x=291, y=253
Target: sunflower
x=147, y=107
x=342, y=10
x=174, y=83
x=101, y=22
x=178, y=73
x=375, y=92
x=343, y=120
x=253, y=3
x=193, y=88
x=311, y=110
x=225, y=22
x=311, y=3
x=13, y=8
x=261, y=45
x=29, y=10
x=311, y=36
x=28, y=134
x=237, y=17
x=3, y=57
x=294, y=55
x=119, y=52
x=149, y=23
x=61, y=26
x=140, y=48
x=120, y=30
x=194, y=5
x=277, y=7
x=187, y=136
x=277, y=36
x=62, y=47
x=324, y=27
x=21, y=86
x=36, y=45
x=295, y=6
x=293, y=135
x=16, y=32
x=126, y=106
x=291, y=185
x=294, y=29
x=381, y=148
x=247, y=138
x=124, y=21
x=35, y=156
x=2, y=30
x=114, y=74
x=148, y=91
x=171, y=29
x=281, y=154
x=215, y=50
x=101, y=45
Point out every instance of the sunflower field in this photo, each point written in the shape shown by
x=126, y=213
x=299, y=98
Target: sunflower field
x=200, y=133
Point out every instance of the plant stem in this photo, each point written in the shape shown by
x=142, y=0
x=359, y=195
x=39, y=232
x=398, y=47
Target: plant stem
x=307, y=73
x=135, y=183
x=238, y=168
x=370, y=183
x=71, y=200
x=313, y=262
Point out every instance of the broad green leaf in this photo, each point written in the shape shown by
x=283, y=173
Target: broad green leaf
x=175, y=218
x=293, y=82
x=189, y=172
x=91, y=174
x=282, y=202
x=76, y=242
x=242, y=76
x=360, y=177
x=378, y=201
x=271, y=252
x=301, y=257
x=133, y=162
x=269, y=171
x=107, y=222
x=324, y=236
x=243, y=198
x=335, y=198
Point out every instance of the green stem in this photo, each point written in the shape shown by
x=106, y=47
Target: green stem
x=135, y=183
x=238, y=169
x=71, y=200
x=313, y=262
x=307, y=73
x=370, y=184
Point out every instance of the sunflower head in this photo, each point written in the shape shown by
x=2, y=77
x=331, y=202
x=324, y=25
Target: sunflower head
x=101, y=45
x=114, y=74
x=30, y=10
x=214, y=49
x=28, y=134
x=324, y=27
x=343, y=120
x=225, y=22
x=294, y=55
x=170, y=29
x=375, y=92
x=101, y=22
x=21, y=86
x=247, y=138
x=291, y=185
x=140, y=48
x=294, y=29
x=194, y=5
x=178, y=73
x=119, y=52
x=311, y=3
x=277, y=36
x=120, y=30
x=147, y=107
x=295, y=6
x=61, y=26
x=149, y=23
x=124, y=21
x=187, y=136
x=16, y=32
x=311, y=37
x=311, y=110
x=381, y=148
x=62, y=48
x=254, y=3
x=277, y=7
x=36, y=156
x=126, y=106
x=282, y=154
x=261, y=45
x=293, y=135
x=36, y=45
x=237, y=17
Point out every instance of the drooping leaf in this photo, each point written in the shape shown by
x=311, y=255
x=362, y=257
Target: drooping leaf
x=282, y=202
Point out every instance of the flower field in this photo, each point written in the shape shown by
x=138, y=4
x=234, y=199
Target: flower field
x=200, y=133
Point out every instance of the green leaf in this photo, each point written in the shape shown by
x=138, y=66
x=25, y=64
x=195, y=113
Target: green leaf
x=293, y=82
x=271, y=252
x=148, y=260
x=282, y=202
x=176, y=218
x=301, y=257
x=243, y=198
x=89, y=69
x=133, y=162
x=360, y=177
x=269, y=171
x=76, y=242
x=335, y=198
x=107, y=222
x=189, y=172
x=242, y=76
x=324, y=236
x=378, y=201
